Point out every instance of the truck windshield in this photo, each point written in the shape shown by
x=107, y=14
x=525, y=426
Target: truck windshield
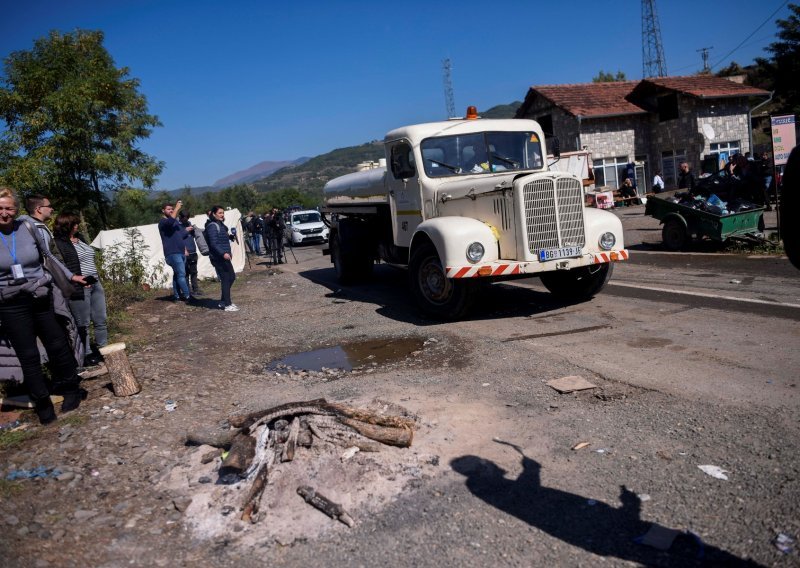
x=305, y=218
x=481, y=153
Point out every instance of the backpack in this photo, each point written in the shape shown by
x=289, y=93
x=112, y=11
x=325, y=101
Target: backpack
x=200, y=240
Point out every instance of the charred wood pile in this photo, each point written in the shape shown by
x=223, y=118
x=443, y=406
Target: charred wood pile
x=259, y=440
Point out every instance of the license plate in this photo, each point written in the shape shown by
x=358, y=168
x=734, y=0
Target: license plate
x=552, y=254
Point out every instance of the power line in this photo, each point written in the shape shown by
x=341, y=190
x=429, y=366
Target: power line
x=724, y=57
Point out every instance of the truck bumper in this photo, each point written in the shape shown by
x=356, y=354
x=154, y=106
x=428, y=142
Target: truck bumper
x=501, y=268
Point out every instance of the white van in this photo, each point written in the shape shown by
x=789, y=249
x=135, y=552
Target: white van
x=306, y=227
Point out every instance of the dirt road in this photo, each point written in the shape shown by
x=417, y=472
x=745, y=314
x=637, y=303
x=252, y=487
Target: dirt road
x=690, y=370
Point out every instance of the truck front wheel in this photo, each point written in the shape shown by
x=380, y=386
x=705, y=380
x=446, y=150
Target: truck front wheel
x=435, y=294
x=351, y=267
x=578, y=284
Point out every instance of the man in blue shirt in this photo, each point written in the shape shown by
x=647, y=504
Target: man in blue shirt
x=173, y=239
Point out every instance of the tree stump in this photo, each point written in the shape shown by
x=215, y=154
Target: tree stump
x=119, y=369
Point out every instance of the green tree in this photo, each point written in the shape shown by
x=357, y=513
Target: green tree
x=72, y=121
x=603, y=77
x=785, y=62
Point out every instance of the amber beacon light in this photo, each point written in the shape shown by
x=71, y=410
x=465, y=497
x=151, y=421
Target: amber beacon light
x=472, y=113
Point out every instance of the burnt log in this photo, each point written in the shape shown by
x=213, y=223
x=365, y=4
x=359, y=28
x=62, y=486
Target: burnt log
x=216, y=438
x=291, y=442
x=318, y=501
x=240, y=456
x=253, y=501
x=400, y=437
x=245, y=421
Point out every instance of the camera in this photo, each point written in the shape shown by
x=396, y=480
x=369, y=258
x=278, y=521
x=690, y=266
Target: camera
x=90, y=279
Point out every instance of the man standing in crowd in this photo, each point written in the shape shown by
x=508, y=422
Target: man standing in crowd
x=255, y=227
x=39, y=212
x=191, y=253
x=685, y=178
x=173, y=239
x=278, y=227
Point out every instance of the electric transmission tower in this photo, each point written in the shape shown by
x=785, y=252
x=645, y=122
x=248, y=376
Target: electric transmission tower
x=703, y=51
x=653, y=62
x=449, y=100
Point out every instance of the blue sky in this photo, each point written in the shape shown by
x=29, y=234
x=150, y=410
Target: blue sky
x=239, y=82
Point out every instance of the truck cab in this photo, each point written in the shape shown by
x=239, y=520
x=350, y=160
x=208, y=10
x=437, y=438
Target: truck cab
x=466, y=202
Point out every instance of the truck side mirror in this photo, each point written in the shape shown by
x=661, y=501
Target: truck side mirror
x=555, y=147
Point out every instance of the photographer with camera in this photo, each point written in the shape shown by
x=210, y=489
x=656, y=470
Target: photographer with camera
x=219, y=253
x=277, y=229
x=87, y=303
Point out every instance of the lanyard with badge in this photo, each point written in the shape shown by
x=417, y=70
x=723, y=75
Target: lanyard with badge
x=16, y=268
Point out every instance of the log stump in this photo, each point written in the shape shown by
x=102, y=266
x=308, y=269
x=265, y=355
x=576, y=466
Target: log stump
x=119, y=369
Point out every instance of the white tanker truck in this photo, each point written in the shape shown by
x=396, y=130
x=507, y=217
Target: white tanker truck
x=467, y=202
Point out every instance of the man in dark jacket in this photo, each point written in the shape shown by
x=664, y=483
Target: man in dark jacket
x=277, y=229
x=255, y=227
x=173, y=239
x=685, y=177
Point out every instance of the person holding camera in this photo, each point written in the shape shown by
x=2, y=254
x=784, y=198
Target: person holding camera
x=277, y=229
x=173, y=240
x=29, y=304
x=87, y=303
x=220, y=254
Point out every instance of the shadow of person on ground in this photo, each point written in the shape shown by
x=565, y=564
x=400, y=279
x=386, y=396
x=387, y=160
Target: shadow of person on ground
x=597, y=527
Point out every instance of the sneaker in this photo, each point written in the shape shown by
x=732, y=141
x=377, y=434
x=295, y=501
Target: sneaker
x=232, y=308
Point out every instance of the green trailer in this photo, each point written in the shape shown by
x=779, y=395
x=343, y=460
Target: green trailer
x=681, y=223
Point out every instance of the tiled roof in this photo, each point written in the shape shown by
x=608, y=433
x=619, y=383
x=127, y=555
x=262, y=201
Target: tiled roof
x=587, y=99
x=615, y=98
x=702, y=86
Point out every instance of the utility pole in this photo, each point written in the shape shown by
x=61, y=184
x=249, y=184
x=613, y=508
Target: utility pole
x=703, y=51
x=653, y=62
x=449, y=100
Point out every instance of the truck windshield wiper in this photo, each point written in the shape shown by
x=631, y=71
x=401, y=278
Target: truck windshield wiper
x=509, y=161
x=454, y=169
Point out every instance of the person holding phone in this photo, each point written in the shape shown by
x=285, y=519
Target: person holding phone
x=88, y=303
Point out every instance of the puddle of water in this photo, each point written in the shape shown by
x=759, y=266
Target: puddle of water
x=350, y=355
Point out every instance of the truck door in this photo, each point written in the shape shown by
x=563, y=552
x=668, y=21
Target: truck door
x=404, y=192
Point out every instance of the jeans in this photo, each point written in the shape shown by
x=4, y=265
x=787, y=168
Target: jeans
x=91, y=309
x=177, y=262
x=227, y=275
x=191, y=272
x=23, y=320
x=255, y=243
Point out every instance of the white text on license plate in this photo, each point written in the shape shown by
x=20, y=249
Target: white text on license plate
x=552, y=254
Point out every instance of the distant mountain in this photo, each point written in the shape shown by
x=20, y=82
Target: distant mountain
x=259, y=171
x=501, y=111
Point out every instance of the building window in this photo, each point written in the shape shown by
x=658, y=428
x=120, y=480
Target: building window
x=668, y=107
x=724, y=150
x=609, y=172
x=546, y=122
x=670, y=160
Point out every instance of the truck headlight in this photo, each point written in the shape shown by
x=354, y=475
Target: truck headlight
x=607, y=241
x=295, y=230
x=475, y=252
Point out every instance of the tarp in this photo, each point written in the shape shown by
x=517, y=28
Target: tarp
x=155, y=252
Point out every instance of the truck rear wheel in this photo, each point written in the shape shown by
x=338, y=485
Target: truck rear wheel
x=578, y=284
x=351, y=267
x=435, y=294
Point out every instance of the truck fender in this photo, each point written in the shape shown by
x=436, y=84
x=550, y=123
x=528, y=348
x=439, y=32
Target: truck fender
x=677, y=216
x=598, y=222
x=452, y=236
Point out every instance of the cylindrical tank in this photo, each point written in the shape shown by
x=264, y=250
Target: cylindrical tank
x=363, y=187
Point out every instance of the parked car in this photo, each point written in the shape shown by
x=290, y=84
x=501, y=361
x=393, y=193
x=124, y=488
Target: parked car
x=306, y=227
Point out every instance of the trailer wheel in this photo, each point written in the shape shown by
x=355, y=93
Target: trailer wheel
x=351, y=267
x=436, y=295
x=578, y=284
x=674, y=234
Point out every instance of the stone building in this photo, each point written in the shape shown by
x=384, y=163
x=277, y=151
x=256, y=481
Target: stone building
x=655, y=123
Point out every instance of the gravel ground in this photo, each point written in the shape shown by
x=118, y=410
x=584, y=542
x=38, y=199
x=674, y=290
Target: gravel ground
x=129, y=489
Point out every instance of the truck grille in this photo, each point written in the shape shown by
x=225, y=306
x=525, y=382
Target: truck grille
x=554, y=213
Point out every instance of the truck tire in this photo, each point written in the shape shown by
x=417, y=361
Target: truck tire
x=579, y=284
x=674, y=234
x=435, y=294
x=351, y=267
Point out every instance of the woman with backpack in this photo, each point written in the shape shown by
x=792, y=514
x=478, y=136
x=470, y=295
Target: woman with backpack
x=28, y=305
x=219, y=253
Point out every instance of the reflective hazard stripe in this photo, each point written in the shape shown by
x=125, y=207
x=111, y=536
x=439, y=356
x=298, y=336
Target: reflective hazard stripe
x=473, y=271
x=612, y=256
